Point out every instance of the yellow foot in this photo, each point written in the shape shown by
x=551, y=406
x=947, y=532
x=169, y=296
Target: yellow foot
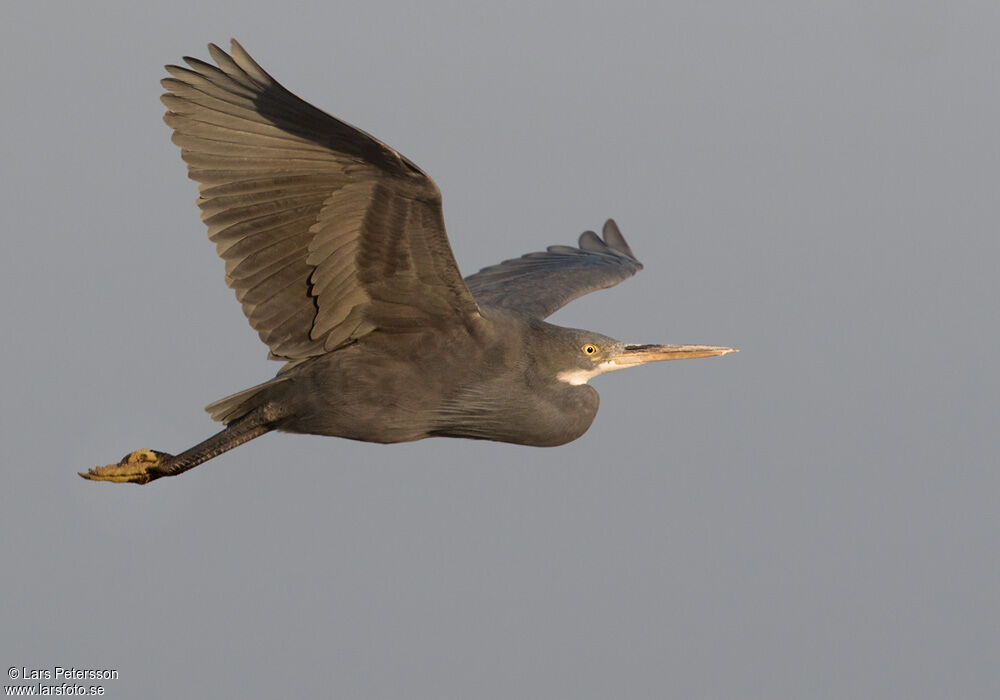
x=139, y=467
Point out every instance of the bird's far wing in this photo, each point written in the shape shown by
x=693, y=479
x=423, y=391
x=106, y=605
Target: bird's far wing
x=538, y=284
x=326, y=232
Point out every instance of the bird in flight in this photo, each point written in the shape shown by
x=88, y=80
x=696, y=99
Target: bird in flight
x=335, y=246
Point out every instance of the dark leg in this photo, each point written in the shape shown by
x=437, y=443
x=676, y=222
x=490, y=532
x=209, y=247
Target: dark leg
x=143, y=466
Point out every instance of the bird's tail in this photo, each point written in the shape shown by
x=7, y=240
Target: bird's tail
x=234, y=407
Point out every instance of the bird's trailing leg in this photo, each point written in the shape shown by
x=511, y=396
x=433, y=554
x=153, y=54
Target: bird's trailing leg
x=143, y=466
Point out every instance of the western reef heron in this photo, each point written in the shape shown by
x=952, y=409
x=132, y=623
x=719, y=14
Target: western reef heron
x=335, y=246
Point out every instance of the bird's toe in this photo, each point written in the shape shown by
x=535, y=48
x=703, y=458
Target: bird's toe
x=138, y=467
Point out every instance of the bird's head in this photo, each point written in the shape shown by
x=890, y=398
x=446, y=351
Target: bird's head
x=585, y=354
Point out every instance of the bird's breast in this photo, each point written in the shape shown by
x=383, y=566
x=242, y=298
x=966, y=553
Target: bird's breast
x=519, y=414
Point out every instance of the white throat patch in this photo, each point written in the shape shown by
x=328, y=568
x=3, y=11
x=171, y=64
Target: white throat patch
x=576, y=377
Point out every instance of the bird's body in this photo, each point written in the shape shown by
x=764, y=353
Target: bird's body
x=437, y=384
x=335, y=246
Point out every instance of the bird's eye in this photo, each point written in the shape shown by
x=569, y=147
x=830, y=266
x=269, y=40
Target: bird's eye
x=589, y=349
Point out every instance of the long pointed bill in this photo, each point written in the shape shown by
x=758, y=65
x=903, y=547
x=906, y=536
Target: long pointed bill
x=634, y=355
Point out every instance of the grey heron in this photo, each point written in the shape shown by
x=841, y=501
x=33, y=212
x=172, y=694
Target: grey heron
x=335, y=246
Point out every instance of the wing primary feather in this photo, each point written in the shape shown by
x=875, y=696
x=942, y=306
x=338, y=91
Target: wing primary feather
x=614, y=238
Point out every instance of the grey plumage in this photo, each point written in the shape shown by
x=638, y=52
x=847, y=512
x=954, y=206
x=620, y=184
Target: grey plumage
x=324, y=229
x=538, y=284
x=335, y=246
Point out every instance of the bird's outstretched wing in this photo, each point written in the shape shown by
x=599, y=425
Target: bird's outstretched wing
x=538, y=284
x=326, y=232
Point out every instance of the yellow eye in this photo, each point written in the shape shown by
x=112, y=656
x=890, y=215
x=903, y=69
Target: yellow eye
x=589, y=349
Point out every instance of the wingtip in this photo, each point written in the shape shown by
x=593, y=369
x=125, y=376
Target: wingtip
x=216, y=52
x=591, y=241
x=614, y=238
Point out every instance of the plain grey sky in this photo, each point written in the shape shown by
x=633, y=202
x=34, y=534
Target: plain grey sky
x=816, y=517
